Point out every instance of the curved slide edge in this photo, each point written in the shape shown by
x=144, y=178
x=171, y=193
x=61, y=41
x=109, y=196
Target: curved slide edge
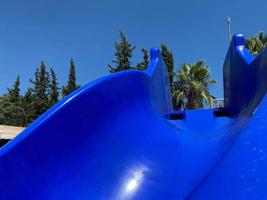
x=241, y=174
x=238, y=74
x=155, y=79
x=65, y=153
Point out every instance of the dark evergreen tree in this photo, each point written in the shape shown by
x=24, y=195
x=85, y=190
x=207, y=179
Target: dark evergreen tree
x=168, y=59
x=54, y=94
x=28, y=107
x=144, y=64
x=123, y=54
x=10, y=106
x=71, y=84
x=14, y=92
x=41, y=90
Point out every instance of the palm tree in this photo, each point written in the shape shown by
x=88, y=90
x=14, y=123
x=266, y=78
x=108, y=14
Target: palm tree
x=191, y=87
x=256, y=44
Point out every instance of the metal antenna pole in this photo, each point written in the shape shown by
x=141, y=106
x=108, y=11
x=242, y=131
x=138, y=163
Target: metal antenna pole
x=229, y=28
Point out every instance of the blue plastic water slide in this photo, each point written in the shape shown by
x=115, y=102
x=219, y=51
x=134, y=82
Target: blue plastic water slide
x=118, y=138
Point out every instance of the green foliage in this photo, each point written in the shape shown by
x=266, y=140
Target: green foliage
x=144, y=64
x=54, y=93
x=168, y=59
x=169, y=62
x=123, y=54
x=11, y=112
x=18, y=110
x=28, y=104
x=14, y=92
x=40, y=91
x=256, y=44
x=71, y=84
x=191, y=87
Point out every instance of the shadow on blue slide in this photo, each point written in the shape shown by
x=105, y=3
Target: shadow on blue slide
x=118, y=138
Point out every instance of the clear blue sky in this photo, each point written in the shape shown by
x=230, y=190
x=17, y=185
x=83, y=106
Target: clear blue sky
x=56, y=30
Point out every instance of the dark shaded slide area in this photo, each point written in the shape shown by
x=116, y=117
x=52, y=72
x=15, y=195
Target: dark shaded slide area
x=118, y=138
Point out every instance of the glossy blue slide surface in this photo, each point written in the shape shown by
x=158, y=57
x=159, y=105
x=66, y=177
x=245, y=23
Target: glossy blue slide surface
x=118, y=138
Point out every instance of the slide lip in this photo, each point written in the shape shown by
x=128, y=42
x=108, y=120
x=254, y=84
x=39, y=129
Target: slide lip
x=155, y=53
x=239, y=45
x=155, y=56
x=239, y=40
x=65, y=102
x=155, y=89
x=151, y=74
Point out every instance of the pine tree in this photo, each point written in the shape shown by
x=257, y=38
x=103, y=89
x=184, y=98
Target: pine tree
x=28, y=108
x=144, y=64
x=14, y=92
x=123, y=54
x=41, y=90
x=10, y=106
x=71, y=85
x=168, y=59
x=54, y=94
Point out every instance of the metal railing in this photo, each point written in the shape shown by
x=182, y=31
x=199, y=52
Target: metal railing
x=217, y=103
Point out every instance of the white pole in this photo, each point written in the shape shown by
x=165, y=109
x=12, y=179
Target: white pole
x=229, y=28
